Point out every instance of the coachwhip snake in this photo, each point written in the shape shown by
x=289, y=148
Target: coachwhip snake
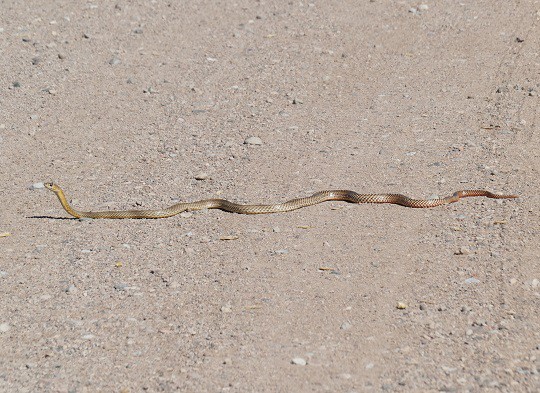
x=293, y=204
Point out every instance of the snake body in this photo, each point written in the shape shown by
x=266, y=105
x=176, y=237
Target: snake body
x=293, y=204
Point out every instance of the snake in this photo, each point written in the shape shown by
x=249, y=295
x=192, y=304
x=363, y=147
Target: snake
x=293, y=204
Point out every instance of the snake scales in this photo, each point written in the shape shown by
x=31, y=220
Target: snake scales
x=293, y=204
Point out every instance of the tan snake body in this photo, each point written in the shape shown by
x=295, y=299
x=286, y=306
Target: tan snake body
x=293, y=204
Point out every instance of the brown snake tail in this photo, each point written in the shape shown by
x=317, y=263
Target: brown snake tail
x=293, y=204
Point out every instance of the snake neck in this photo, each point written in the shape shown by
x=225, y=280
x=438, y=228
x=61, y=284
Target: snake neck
x=66, y=206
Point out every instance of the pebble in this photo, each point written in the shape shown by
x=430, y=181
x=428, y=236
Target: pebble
x=201, y=176
x=345, y=326
x=121, y=286
x=88, y=336
x=40, y=247
x=138, y=30
x=423, y=7
x=114, y=61
x=472, y=280
x=281, y=252
x=513, y=281
x=4, y=327
x=463, y=251
x=276, y=230
x=535, y=282
x=401, y=306
x=71, y=289
x=299, y=361
x=253, y=140
x=226, y=308
x=37, y=186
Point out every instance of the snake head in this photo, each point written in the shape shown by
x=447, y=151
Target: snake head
x=51, y=186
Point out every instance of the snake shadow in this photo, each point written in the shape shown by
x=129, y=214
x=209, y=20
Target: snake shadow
x=53, y=218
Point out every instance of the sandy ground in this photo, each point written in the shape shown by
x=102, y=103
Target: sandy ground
x=125, y=103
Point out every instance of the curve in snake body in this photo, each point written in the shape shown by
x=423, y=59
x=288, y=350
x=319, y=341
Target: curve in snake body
x=293, y=204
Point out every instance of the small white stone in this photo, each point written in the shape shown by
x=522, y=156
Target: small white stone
x=4, y=327
x=345, y=326
x=37, y=186
x=201, y=176
x=472, y=280
x=423, y=7
x=88, y=336
x=253, y=140
x=463, y=251
x=299, y=361
x=535, y=282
